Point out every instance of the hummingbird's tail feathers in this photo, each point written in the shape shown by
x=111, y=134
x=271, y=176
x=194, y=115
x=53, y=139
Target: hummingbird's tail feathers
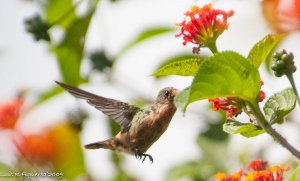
x=107, y=144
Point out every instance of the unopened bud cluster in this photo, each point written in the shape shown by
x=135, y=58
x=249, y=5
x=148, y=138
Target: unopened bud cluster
x=283, y=63
x=38, y=28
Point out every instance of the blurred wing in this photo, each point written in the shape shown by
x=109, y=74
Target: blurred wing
x=121, y=112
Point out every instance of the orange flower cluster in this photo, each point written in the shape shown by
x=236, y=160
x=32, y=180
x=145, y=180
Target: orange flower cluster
x=257, y=170
x=38, y=148
x=9, y=113
x=227, y=104
x=283, y=16
x=231, y=104
x=202, y=26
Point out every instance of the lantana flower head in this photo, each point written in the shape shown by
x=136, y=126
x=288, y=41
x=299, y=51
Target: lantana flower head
x=234, y=177
x=232, y=105
x=262, y=172
x=228, y=104
x=257, y=170
x=202, y=26
x=257, y=165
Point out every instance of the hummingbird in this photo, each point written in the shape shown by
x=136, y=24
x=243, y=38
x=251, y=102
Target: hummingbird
x=140, y=128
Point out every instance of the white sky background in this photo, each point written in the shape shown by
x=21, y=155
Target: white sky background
x=25, y=63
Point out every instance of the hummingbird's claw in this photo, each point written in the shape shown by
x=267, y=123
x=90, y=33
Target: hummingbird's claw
x=149, y=156
x=142, y=156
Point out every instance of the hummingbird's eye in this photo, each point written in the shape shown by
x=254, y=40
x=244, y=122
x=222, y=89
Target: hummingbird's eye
x=167, y=94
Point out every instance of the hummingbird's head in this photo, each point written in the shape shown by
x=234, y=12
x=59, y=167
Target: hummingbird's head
x=166, y=95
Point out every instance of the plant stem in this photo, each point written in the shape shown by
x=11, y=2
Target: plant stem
x=291, y=79
x=212, y=46
x=267, y=127
x=65, y=15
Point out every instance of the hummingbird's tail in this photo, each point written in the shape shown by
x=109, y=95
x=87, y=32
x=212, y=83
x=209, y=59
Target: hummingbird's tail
x=107, y=144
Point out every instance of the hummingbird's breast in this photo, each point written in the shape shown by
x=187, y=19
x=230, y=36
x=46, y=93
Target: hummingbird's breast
x=148, y=125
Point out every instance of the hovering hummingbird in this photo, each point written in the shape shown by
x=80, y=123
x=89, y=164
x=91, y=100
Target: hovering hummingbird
x=140, y=128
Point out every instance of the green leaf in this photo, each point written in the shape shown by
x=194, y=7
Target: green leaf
x=245, y=129
x=43, y=97
x=268, y=60
x=182, y=98
x=262, y=49
x=145, y=35
x=183, y=67
x=69, y=157
x=8, y=174
x=113, y=127
x=279, y=105
x=295, y=174
x=177, y=58
x=60, y=10
x=70, y=52
x=225, y=74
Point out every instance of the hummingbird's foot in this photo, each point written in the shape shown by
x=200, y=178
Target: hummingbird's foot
x=147, y=155
x=142, y=156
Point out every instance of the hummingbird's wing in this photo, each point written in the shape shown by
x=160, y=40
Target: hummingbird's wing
x=121, y=112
